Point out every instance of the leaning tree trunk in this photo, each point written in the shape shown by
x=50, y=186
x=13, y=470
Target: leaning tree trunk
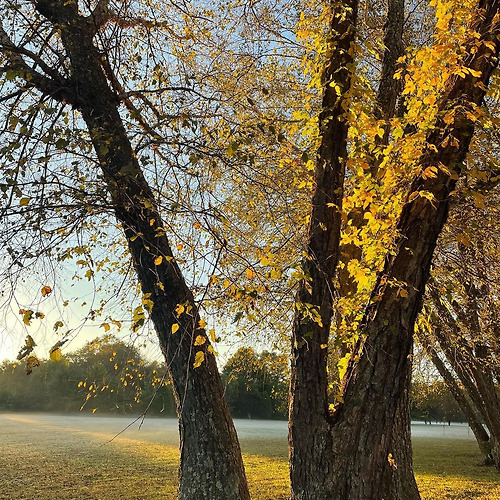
x=468, y=363
x=345, y=456
x=211, y=465
x=482, y=437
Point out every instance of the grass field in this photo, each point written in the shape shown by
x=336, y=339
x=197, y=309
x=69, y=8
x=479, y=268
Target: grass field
x=72, y=458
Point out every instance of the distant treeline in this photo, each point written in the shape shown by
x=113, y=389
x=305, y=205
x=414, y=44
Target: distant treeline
x=109, y=376
x=106, y=375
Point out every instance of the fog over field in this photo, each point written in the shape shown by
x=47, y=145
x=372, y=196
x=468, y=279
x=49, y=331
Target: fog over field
x=165, y=430
x=81, y=457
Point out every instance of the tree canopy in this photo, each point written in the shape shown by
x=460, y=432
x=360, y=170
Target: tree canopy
x=288, y=166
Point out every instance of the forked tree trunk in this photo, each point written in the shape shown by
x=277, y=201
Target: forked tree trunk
x=211, y=465
x=399, y=482
x=346, y=455
x=310, y=440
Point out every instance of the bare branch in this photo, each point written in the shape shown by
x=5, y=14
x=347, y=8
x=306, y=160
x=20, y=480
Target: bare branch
x=54, y=86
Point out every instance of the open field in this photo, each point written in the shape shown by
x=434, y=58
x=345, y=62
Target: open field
x=46, y=457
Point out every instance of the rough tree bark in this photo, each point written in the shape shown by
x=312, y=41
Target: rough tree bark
x=211, y=465
x=345, y=456
x=400, y=482
x=310, y=440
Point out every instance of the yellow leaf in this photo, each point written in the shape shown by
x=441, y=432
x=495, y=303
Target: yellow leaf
x=429, y=172
x=403, y=292
x=264, y=261
x=462, y=238
x=180, y=246
x=179, y=309
x=198, y=359
x=478, y=199
x=27, y=316
x=338, y=397
x=46, y=290
x=158, y=260
x=175, y=327
x=200, y=340
x=55, y=354
x=24, y=201
x=212, y=334
x=197, y=225
x=250, y=273
x=202, y=323
x=106, y=327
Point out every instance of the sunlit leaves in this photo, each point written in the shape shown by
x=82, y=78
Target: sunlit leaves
x=175, y=327
x=200, y=340
x=138, y=318
x=198, y=359
x=55, y=354
x=27, y=316
x=250, y=274
x=147, y=302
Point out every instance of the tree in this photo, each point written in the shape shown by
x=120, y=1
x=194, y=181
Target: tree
x=433, y=402
x=459, y=328
x=256, y=384
x=56, y=52
x=355, y=441
x=106, y=375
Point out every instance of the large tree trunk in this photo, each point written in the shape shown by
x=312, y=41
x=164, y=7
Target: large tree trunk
x=352, y=446
x=310, y=441
x=399, y=482
x=211, y=465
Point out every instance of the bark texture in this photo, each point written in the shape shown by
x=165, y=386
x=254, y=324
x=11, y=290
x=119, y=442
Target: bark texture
x=361, y=430
x=211, y=465
x=310, y=440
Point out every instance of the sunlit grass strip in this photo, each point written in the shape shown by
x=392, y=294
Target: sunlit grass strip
x=47, y=462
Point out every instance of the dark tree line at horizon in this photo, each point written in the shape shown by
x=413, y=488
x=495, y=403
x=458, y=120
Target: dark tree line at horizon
x=92, y=380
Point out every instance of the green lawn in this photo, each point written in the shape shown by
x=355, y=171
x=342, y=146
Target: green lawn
x=44, y=461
